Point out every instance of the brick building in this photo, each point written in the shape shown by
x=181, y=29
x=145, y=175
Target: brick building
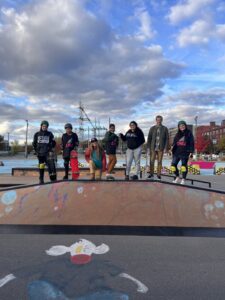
x=211, y=133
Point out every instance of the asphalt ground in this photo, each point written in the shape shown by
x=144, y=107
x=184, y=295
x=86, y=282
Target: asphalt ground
x=170, y=267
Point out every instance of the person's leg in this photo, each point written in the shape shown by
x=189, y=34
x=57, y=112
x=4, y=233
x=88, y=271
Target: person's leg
x=174, y=168
x=42, y=161
x=137, y=159
x=152, y=161
x=66, y=166
x=98, y=174
x=110, y=163
x=114, y=161
x=184, y=167
x=129, y=159
x=159, y=166
x=92, y=169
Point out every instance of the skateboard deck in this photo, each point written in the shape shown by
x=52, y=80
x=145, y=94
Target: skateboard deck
x=74, y=165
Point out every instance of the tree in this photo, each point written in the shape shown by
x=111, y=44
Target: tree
x=203, y=143
x=15, y=147
x=221, y=144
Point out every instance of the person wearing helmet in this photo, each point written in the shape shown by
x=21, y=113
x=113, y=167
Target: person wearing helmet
x=182, y=150
x=43, y=144
x=69, y=142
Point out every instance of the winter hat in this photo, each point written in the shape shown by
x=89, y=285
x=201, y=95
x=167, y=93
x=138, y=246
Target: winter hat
x=44, y=122
x=134, y=123
x=182, y=122
x=68, y=125
x=94, y=140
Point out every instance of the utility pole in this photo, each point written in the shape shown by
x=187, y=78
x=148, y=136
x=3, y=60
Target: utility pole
x=26, y=153
x=196, y=141
x=8, y=142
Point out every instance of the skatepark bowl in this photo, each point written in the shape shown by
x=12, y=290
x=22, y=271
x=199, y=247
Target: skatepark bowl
x=111, y=240
x=118, y=203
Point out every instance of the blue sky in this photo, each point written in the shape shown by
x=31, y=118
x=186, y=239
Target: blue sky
x=124, y=59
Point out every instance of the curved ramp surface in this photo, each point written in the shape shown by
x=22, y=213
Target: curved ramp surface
x=113, y=203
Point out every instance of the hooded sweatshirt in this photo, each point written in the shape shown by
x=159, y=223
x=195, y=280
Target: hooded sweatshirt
x=134, y=139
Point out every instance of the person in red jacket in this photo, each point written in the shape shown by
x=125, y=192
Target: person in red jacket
x=96, y=158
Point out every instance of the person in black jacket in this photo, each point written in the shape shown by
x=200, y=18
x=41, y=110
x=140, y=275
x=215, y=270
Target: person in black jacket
x=182, y=150
x=110, y=143
x=69, y=142
x=135, y=139
x=43, y=144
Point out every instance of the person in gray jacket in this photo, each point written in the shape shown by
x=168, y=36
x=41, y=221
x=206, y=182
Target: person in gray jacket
x=158, y=142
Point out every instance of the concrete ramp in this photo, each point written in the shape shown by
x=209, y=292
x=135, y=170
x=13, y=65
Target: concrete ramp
x=113, y=203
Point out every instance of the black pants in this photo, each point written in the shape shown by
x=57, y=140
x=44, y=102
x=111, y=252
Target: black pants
x=184, y=165
x=66, y=165
x=42, y=162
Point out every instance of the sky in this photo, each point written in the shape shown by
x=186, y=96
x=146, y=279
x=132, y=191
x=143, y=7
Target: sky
x=123, y=59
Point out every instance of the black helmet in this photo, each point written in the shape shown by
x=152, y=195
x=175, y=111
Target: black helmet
x=68, y=125
x=44, y=122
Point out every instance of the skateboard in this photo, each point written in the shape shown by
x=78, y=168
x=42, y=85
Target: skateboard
x=51, y=166
x=74, y=164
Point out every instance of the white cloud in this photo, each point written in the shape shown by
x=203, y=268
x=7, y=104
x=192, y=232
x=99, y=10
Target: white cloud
x=146, y=32
x=57, y=53
x=220, y=32
x=186, y=10
x=199, y=33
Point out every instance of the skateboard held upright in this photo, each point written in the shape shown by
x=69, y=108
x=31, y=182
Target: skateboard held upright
x=74, y=164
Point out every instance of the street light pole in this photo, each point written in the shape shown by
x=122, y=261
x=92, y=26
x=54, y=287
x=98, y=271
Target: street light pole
x=196, y=141
x=26, y=154
x=8, y=142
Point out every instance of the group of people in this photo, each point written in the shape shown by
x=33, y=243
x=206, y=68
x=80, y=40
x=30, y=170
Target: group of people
x=182, y=149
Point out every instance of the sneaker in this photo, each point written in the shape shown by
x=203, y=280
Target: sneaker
x=182, y=181
x=41, y=181
x=176, y=180
x=134, y=177
x=110, y=177
x=65, y=177
x=127, y=177
x=150, y=176
x=159, y=177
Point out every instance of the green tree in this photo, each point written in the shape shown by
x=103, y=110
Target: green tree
x=15, y=147
x=221, y=144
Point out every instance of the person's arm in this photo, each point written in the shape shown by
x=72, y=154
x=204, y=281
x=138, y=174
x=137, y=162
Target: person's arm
x=123, y=137
x=103, y=162
x=61, y=145
x=35, y=142
x=87, y=154
x=52, y=142
x=76, y=140
x=167, y=140
x=142, y=137
x=149, y=140
x=117, y=140
x=192, y=144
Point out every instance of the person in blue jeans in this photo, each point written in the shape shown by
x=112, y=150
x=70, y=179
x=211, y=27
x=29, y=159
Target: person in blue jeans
x=182, y=150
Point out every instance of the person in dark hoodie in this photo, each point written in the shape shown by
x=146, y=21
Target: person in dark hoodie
x=69, y=142
x=110, y=143
x=182, y=150
x=43, y=144
x=135, y=139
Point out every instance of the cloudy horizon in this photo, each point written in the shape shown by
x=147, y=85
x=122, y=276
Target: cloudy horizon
x=125, y=60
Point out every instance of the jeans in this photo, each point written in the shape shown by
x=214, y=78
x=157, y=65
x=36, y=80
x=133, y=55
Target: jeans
x=184, y=166
x=135, y=155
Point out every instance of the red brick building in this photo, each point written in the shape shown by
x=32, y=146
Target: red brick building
x=209, y=134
